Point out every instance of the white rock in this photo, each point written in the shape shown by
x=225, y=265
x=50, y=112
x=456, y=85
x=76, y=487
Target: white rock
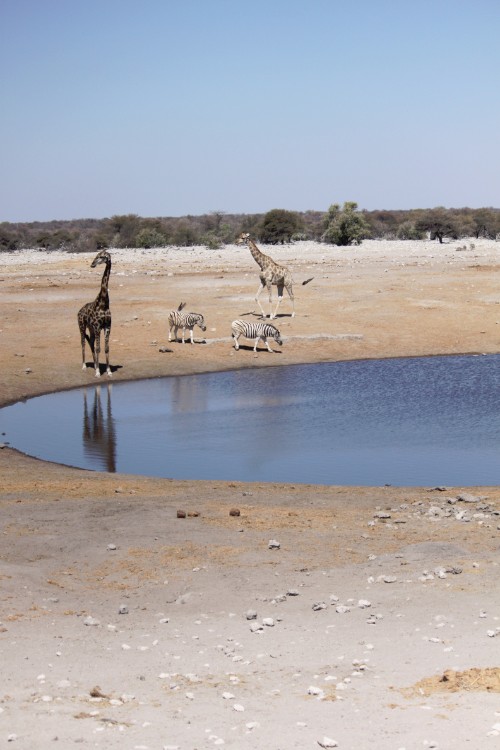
x=238, y=707
x=268, y=621
x=327, y=742
x=273, y=544
x=364, y=603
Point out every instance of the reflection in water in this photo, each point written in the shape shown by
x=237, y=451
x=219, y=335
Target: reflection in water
x=99, y=435
x=410, y=421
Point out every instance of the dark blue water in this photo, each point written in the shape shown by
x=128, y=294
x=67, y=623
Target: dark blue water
x=416, y=421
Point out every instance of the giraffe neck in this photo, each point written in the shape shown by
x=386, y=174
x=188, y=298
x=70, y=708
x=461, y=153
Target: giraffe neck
x=259, y=257
x=103, y=297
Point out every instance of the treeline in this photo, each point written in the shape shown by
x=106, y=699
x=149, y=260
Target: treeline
x=218, y=228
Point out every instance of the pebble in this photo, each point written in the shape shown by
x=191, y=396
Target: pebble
x=268, y=621
x=251, y=614
x=91, y=621
x=389, y=579
x=318, y=605
x=273, y=544
x=111, y=547
x=327, y=742
x=123, y=609
x=234, y=512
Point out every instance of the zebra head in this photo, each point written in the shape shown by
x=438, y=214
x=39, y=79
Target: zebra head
x=277, y=336
x=201, y=321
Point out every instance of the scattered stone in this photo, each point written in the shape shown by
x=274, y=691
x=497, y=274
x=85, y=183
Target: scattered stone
x=193, y=514
x=238, y=707
x=318, y=605
x=465, y=497
x=364, y=603
x=111, y=547
x=292, y=592
x=181, y=514
x=235, y=512
x=123, y=609
x=268, y=621
x=164, y=350
x=251, y=614
x=381, y=515
x=342, y=609
x=389, y=579
x=316, y=691
x=273, y=544
x=91, y=621
x=256, y=627
x=327, y=742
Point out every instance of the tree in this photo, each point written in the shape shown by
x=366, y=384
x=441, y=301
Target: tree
x=150, y=237
x=279, y=225
x=439, y=223
x=346, y=226
x=486, y=223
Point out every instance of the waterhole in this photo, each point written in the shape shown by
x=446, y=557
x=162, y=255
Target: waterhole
x=414, y=421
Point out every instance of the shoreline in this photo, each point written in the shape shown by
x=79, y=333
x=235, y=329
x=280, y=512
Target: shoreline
x=122, y=625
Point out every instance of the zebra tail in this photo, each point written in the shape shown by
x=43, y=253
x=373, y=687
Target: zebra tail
x=307, y=281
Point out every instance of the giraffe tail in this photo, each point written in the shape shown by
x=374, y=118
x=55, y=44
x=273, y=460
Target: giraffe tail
x=307, y=281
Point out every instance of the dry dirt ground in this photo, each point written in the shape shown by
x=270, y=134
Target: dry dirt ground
x=376, y=621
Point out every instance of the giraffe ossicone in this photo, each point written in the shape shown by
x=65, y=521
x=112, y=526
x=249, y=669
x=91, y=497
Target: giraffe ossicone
x=95, y=317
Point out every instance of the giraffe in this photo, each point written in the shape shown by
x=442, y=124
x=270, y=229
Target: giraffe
x=270, y=274
x=96, y=316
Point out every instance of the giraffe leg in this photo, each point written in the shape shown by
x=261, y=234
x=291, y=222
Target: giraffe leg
x=280, y=297
x=82, y=336
x=292, y=298
x=259, y=290
x=97, y=350
x=107, y=331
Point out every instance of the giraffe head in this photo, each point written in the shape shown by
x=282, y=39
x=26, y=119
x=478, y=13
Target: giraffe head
x=102, y=257
x=243, y=239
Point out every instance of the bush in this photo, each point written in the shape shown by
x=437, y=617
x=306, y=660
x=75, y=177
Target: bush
x=346, y=226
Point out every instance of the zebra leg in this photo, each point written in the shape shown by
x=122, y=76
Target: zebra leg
x=236, y=337
x=170, y=332
x=183, y=334
x=192, y=337
x=267, y=344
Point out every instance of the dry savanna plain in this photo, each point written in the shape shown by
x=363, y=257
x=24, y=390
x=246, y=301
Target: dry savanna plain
x=271, y=616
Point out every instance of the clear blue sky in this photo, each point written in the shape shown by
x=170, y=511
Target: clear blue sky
x=174, y=107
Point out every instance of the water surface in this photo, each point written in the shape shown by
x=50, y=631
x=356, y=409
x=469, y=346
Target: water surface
x=414, y=421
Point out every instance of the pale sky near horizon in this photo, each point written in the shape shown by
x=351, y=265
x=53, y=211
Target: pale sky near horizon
x=175, y=107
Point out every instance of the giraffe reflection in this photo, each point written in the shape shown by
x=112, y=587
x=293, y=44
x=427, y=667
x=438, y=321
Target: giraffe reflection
x=99, y=435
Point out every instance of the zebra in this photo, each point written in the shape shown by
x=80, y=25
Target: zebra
x=255, y=331
x=178, y=319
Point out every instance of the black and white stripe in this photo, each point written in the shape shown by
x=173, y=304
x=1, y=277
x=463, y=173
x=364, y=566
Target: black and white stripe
x=257, y=331
x=185, y=320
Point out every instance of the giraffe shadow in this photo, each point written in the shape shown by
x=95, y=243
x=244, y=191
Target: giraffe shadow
x=102, y=367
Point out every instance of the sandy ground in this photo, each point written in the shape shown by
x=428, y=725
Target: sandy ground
x=318, y=616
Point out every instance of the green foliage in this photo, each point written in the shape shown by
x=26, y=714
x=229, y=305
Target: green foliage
x=279, y=225
x=439, y=222
x=408, y=231
x=345, y=226
x=150, y=237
